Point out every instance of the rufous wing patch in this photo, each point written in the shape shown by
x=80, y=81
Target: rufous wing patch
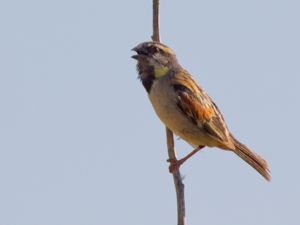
x=199, y=107
x=194, y=108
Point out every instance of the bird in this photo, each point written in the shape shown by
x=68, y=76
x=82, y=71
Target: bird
x=185, y=108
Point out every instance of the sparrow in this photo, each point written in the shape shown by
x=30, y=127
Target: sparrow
x=185, y=108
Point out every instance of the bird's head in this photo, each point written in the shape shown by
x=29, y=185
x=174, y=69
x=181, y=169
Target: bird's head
x=154, y=59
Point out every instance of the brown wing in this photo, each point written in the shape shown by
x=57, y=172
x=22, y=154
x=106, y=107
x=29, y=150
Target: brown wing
x=199, y=107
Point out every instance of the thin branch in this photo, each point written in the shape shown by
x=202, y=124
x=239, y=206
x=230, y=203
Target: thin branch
x=179, y=186
x=155, y=36
x=170, y=140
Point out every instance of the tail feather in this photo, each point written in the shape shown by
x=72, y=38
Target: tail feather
x=253, y=159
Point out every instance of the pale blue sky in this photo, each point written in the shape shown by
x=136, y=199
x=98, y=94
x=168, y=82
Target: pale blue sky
x=81, y=145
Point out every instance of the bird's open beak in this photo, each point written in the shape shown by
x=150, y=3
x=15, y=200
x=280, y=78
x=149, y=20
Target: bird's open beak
x=135, y=56
x=140, y=53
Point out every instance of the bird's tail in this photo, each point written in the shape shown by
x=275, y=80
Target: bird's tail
x=253, y=159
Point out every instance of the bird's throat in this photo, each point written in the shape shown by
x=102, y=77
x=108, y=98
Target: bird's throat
x=160, y=71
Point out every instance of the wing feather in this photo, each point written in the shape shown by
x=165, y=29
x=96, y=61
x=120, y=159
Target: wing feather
x=199, y=107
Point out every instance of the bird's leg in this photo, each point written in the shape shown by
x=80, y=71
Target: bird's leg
x=175, y=164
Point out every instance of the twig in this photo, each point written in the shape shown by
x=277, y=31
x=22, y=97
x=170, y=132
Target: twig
x=155, y=36
x=177, y=181
x=170, y=141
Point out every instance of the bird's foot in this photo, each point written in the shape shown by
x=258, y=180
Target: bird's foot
x=175, y=164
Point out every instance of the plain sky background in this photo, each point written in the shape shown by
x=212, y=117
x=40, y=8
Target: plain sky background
x=81, y=145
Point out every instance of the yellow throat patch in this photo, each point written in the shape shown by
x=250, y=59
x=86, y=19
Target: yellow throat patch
x=160, y=71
